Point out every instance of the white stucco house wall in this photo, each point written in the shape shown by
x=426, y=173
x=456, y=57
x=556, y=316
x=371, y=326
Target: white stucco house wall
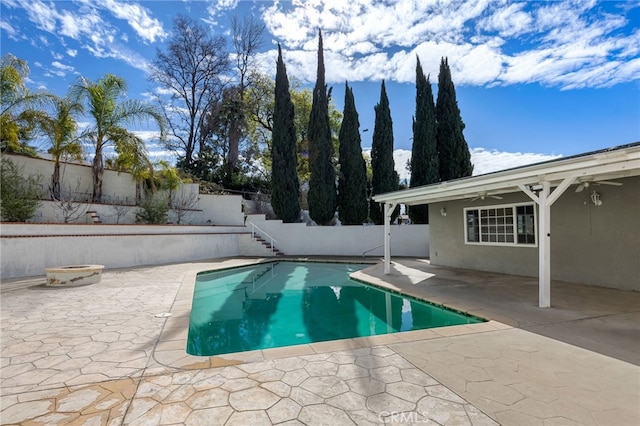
x=573, y=219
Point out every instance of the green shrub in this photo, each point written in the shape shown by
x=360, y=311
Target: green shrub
x=153, y=210
x=20, y=195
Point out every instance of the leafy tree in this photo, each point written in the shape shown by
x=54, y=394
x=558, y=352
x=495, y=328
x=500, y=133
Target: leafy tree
x=191, y=70
x=424, y=152
x=247, y=36
x=260, y=104
x=109, y=117
x=19, y=196
x=133, y=157
x=285, y=186
x=153, y=210
x=61, y=128
x=221, y=125
x=384, y=177
x=454, y=155
x=322, y=184
x=352, y=181
x=19, y=115
x=167, y=178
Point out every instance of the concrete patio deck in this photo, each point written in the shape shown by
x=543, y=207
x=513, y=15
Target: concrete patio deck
x=107, y=354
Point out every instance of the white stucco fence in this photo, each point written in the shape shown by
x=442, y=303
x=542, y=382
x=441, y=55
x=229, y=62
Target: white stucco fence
x=27, y=249
x=223, y=210
x=214, y=228
x=300, y=239
x=119, y=197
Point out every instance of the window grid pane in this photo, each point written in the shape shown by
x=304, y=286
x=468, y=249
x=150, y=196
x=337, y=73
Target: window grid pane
x=526, y=225
x=473, y=229
x=507, y=225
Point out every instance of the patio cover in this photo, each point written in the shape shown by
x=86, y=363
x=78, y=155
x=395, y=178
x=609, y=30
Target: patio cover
x=543, y=182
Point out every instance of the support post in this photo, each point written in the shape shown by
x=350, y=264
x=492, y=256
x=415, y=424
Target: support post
x=388, y=211
x=544, y=248
x=544, y=200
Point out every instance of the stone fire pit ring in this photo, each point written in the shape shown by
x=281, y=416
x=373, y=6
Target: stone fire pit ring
x=73, y=275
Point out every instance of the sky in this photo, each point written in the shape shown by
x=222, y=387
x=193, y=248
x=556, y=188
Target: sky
x=535, y=80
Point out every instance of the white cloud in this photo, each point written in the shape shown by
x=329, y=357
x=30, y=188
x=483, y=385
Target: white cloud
x=72, y=52
x=44, y=16
x=147, y=135
x=563, y=43
x=508, y=22
x=400, y=159
x=147, y=28
x=484, y=161
x=94, y=32
x=217, y=8
x=11, y=32
x=62, y=67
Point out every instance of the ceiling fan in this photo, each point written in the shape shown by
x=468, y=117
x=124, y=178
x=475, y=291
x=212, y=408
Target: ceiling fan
x=587, y=184
x=483, y=195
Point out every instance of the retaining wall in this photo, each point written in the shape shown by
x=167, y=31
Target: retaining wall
x=300, y=239
x=27, y=249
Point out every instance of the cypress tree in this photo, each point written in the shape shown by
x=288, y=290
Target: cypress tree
x=322, y=196
x=384, y=177
x=424, y=152
x=352, y=180
x=455, y=158
x=285, y=186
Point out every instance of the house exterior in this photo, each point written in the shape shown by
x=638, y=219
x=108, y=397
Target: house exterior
x=573, y=219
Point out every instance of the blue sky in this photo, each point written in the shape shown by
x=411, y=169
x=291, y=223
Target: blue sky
x=534, y=80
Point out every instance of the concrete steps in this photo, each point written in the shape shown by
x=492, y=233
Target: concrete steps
x=93, y=217
x=267, y=245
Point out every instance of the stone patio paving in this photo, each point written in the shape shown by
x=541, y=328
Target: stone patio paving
x=106, y=354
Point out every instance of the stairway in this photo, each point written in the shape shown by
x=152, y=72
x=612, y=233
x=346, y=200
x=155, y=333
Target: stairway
x=267, y=245
x=93, y=217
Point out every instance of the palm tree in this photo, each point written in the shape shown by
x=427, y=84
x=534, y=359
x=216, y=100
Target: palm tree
x=133, y=158
x=61, y=128
x=109, y=118
x=168, y=178
x=18, y=116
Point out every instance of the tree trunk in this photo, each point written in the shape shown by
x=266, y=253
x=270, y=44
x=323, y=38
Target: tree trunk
x=97, y=169
x=234, y=145
x=55, y=181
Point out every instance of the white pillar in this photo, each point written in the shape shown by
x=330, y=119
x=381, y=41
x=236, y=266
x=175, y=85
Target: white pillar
x=544, y=201
x=388, y=211
x=387, y=241
x=544, y=248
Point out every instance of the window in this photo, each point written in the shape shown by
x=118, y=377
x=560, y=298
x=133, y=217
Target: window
x=501, y=225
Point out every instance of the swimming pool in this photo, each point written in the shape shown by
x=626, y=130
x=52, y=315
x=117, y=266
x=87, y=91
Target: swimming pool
x=291, y=303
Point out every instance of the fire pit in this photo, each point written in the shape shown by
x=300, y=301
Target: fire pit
x=73, y=275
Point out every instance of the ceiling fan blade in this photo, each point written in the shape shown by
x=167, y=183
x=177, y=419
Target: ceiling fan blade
x=580, y=187
x=497, y=197
x=607, y=182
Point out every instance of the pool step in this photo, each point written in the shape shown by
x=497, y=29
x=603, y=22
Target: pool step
x=253, y=278
x=267, y=244
x=93, y=217
x=266, y=306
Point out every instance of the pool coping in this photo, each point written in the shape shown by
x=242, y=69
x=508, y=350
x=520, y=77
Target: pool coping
x=169, y=351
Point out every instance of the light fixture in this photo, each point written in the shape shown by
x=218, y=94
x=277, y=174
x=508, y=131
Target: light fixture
x=443, y=211
x=595, y=199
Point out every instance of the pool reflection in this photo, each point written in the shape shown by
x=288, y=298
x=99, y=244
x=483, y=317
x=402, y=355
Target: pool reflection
x=289, y=303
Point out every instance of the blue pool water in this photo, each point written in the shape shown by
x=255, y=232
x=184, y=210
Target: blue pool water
x=290, y=303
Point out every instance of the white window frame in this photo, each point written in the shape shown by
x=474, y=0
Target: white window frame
x=515, y=242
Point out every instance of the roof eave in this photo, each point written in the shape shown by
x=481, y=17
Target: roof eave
x=613, y=163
